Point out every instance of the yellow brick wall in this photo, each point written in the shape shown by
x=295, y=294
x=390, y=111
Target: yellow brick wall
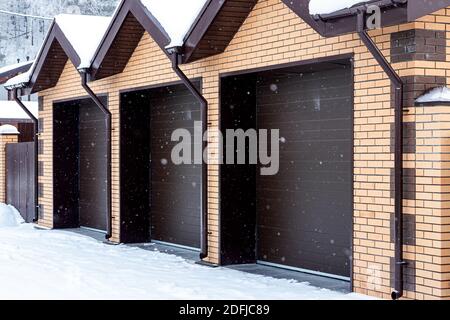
x=273, y=35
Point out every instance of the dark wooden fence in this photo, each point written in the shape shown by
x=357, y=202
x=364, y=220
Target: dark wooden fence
x=20, y=178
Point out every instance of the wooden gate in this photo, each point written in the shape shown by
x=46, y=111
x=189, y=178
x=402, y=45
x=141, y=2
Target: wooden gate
x=20, y=178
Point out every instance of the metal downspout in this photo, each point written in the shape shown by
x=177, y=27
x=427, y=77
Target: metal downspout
x=175, y=56
x=15, y=97
x=108, y=119
x=398, y=85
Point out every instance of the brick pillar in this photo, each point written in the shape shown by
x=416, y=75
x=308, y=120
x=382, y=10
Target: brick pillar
x=432, y=250
x=5, y=138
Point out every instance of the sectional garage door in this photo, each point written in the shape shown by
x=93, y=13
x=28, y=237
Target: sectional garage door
x=93, y=167
x=175, y=189
x=160, y=201
x=304, y=214
x=80, y=165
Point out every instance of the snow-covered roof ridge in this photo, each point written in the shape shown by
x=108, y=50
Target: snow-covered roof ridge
x=10, y=110
x=330, y=6
x=439, y=94
x=84, y=33
x=175, y=16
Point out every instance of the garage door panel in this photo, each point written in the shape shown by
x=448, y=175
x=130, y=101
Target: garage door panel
x=175, y=190
x=298, y=175
x=187, y=206
x=307, y=250
x=186, y=174
x=183, y=115
x=305, y=211
x=92, y=157
x=312, y=109
x=294, y=128
x=308, y=83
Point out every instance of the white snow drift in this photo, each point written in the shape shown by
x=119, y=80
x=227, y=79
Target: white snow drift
x=38, y=264
x=9, y=216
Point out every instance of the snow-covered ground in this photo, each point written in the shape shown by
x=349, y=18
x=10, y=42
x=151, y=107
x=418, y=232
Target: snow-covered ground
x=42, y=264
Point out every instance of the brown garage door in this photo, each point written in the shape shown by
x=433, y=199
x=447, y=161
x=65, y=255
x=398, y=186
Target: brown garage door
x=304, y=214
x=93, y=167
x=175, y=190
x=80, y=165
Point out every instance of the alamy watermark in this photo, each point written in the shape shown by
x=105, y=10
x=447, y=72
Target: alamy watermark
x=250, y=147
x=373, y=20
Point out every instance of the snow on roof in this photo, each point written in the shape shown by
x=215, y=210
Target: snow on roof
x=14, y=66
x=8, y=129
x=84, y=33
x=19, y=80
x=176, y=16
x=439, y=94
x=11, y=110
x=330, y=6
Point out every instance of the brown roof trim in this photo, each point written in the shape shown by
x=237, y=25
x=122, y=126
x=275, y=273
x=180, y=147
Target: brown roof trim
x=5, y=76
x=112, y=55
x=216, y=27
x=128, y=9
x=51, y=60
x=394, y=12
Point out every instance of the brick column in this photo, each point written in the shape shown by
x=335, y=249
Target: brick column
x=5, y=138
x=432, y=251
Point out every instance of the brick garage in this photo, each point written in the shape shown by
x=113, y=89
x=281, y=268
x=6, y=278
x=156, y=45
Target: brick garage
x=271, y=35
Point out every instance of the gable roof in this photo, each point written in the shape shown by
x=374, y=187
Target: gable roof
x=204, y=35
x=73, y=37
x=333, y=23
x=13, y=70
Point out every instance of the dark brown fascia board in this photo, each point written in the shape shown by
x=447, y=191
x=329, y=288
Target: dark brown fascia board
x=344, y=21
x=143, y=16
x=211, y=10
x=200, y=27
x=55, y=33
x=5, y=76
x=153, y=27
x=420, y=8
x=394, y=12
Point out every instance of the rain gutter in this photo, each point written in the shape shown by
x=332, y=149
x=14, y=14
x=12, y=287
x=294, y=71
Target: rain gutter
x=175, y=56
x=398, y=87
x=108, y=119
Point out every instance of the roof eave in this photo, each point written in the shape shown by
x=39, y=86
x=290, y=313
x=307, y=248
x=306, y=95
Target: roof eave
x=5, y=76
x=145, y=19
x=54, y=33
x=394, y=12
